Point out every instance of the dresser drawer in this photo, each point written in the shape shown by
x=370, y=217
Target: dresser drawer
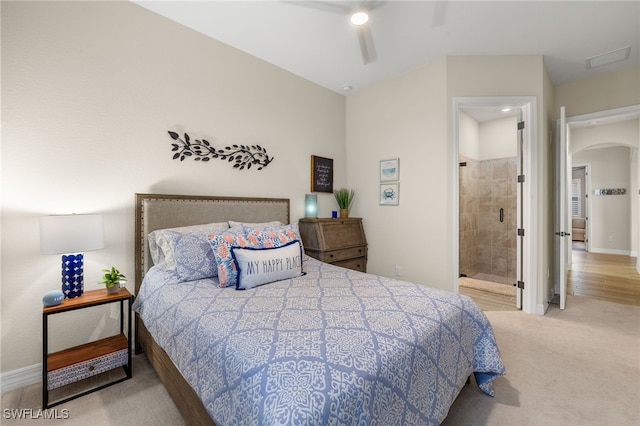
x=357, y=264
x=82, y=370
x=332, y=256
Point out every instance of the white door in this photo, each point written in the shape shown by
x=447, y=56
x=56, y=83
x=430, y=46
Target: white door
x=562, y=236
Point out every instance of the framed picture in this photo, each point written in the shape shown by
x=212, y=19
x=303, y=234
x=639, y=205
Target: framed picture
x=321, y=174
x=389, y=194
x=390, y=170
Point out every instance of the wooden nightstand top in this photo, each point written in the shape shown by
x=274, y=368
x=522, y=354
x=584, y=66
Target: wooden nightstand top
x=89, y=298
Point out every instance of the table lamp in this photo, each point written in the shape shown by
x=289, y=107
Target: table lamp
x=311, y=205
x=71, y=235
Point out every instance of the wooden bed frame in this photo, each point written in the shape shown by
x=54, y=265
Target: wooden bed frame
x=160, y=211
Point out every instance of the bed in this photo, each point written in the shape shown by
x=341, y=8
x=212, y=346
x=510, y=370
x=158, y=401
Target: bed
x=320, y=344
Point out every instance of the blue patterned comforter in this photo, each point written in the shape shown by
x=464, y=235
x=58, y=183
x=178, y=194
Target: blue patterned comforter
x=334, y=346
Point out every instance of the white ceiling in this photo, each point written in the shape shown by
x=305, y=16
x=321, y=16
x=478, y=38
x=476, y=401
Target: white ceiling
x=316, y=41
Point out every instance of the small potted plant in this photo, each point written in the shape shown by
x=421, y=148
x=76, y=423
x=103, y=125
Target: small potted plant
x=112, y=278
x=344, y=198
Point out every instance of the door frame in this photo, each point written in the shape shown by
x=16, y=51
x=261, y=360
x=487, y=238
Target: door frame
x=628, y=111
x=528, y=104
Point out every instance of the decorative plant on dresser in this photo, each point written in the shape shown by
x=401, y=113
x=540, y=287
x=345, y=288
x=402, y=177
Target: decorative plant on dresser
x=340, y=242
x=344, y=198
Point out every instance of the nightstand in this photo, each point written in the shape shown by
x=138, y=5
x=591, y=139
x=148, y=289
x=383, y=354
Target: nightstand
x=87, y=360
x=340, y=242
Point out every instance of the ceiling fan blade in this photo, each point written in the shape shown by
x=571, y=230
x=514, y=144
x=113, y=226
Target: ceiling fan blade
x=367, y=48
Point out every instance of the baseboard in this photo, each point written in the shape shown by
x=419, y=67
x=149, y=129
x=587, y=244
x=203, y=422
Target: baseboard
x=20, y=378
x=541, y=308
x=610, y=251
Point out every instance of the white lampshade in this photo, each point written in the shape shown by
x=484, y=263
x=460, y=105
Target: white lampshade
x=311, y=205
x=73, y=233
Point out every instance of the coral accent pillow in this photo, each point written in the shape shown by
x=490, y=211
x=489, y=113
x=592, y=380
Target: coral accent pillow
x=221, y=245
x=272, y=236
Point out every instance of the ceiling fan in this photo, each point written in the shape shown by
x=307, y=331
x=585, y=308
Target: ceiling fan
x=358, y=14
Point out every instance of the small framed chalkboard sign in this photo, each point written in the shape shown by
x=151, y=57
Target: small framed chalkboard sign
x=321, y=174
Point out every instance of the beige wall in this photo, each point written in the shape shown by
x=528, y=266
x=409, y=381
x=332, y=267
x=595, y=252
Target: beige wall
x=410, y=117
x=404, y=118
x=610, y=215
x=600, y=93
x=89, y=91
x=498, y=138
x=469, y=138
x=620, y=133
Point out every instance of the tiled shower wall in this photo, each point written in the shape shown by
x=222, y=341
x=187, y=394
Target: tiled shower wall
x=488, y=246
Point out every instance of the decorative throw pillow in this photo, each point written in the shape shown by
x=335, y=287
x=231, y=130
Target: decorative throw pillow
x=272, y=236
x=160, y=244
x=193, y=256
x=256, y=224
x=258, y=266
x=221, y=245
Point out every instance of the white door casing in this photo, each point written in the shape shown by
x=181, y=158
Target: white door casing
x=528, y=105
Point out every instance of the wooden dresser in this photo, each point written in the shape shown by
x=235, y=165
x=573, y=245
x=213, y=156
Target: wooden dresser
x=340, y=242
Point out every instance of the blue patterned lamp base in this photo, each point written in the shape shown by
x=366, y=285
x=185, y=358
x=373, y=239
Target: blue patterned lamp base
x=72, y=275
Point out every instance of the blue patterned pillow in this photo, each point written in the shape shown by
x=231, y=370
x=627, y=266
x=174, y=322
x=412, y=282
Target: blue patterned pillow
x=221, y=246
x=258, y=266
x=193, y=256
x=161, y=245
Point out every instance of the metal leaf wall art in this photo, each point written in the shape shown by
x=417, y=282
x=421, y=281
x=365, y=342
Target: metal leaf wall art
x=242, y=156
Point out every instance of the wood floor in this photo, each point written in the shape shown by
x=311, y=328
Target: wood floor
x=599, y=276
x=489, y=296
x=604, y=276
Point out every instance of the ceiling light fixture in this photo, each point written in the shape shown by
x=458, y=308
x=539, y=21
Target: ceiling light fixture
x=359, y=18
x=346, y=88
x=506, y=109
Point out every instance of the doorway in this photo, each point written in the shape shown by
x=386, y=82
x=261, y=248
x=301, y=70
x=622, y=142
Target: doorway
x=597, y=139
x=488, y=157
x=579, y=207
x=499, y=254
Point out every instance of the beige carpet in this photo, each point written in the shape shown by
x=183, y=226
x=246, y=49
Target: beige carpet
x=580, y=366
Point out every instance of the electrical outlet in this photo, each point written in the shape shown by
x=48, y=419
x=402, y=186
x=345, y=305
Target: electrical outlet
x=398, y=271
x=610, y=238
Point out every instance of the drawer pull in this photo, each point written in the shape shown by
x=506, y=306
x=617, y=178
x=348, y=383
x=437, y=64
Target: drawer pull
x=331, y=255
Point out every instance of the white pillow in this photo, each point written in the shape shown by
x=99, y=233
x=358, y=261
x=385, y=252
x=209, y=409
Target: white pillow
x=257, y=266
x=160, y=242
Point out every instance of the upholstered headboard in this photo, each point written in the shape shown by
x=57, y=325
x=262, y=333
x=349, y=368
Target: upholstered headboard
x=161, y=211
